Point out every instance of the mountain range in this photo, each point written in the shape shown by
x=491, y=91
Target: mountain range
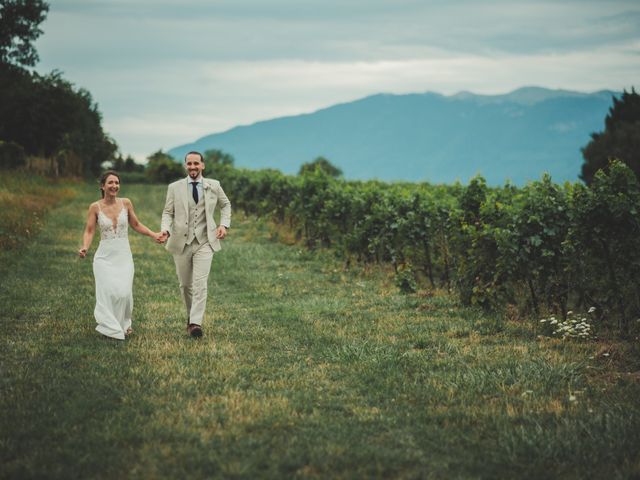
x=516, y=136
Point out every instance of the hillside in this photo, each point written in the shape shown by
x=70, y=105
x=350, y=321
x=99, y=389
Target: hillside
x=428, y=137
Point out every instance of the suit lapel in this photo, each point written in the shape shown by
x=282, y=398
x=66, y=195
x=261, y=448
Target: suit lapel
x=185, y=197
x=205, y=186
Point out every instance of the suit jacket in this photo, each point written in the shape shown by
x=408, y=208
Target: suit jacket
x=175, y=216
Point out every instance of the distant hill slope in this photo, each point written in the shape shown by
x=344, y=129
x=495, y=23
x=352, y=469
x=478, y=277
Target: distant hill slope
x=428, y=137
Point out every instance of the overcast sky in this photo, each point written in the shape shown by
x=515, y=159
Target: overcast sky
x=165, y=72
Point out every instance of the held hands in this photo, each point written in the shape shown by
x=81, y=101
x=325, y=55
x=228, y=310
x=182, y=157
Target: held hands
x=82, y=252
x=161, y=237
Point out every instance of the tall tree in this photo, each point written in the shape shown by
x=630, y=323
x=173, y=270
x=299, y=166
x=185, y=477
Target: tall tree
x=218, y=157
x=19, y=21
x=217, y=163
x=162, y=168
x=45, y=115
x=620, y=139
x=322, y=164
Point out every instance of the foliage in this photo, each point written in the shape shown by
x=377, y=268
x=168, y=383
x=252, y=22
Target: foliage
x=129, y=170
x=604, y=243
x=322, y=164
x=121, y=165
x=162, y=168
x=620, y=139
x=19, y=21
x=46, y=115
x=11, y=155
x=134, y=177
x=406, y=280
x=543, y=247
x=575, y=325
x=217, y=163
x=218, y=157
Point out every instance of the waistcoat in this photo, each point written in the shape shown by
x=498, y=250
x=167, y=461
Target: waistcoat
x=197, y=221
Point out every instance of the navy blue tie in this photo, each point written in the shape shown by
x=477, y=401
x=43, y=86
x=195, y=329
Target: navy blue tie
x=195, y=191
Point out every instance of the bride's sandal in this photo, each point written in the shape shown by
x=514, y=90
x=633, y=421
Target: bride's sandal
x=129, y=331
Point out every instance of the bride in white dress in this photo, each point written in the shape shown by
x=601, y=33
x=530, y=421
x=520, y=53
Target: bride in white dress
x=112, y=262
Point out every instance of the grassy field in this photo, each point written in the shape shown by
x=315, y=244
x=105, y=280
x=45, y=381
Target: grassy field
x=24, y=202
x=305, y=371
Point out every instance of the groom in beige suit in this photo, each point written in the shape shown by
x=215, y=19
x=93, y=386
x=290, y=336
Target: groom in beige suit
x=192, y=236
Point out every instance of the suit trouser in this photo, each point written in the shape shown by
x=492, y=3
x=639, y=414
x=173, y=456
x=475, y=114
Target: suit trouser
x=193, y=266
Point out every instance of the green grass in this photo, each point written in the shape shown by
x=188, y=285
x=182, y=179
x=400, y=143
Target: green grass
x=305, y=371
x=24, y=202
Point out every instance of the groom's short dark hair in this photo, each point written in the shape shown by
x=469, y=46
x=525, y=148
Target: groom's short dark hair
x=193, y=152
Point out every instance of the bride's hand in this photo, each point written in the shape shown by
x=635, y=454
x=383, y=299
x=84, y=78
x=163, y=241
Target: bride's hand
x=82, y=252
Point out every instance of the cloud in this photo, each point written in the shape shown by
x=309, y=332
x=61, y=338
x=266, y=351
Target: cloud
x=348, y=31
x=217, y=96
x=165, y=73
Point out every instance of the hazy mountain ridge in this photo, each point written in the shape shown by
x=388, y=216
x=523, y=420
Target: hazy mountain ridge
x=428, y=136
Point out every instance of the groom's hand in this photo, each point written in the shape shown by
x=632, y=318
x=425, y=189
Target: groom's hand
x=162, y=237
x=221, y=232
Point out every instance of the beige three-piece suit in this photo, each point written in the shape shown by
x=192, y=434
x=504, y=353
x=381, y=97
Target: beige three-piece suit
x=192, y=239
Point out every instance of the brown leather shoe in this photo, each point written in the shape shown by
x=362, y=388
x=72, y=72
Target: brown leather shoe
x=194, y=330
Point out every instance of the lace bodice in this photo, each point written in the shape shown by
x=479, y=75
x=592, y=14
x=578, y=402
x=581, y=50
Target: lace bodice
x=107, y=230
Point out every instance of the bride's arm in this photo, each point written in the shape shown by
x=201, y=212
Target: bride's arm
x=136, y=224
x=89, y=230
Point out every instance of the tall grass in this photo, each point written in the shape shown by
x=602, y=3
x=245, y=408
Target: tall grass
x=24, y=201
x=306, y=370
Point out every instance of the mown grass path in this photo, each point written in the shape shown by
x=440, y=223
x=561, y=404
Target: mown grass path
x=305, y=371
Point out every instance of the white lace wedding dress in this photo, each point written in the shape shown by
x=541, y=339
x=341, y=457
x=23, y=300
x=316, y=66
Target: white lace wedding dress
x=113, y=271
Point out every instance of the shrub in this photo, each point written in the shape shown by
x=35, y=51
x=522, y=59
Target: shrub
x=12, y=155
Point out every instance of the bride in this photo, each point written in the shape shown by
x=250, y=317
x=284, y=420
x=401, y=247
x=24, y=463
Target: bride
x=112, y=262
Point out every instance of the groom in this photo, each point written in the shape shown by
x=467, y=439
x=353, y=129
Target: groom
x=191, y=234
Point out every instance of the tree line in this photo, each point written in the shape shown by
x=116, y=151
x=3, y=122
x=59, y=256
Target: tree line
x=46, y=124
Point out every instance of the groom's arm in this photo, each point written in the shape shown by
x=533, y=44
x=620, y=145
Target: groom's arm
x=225, y=207
x=168, y=212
